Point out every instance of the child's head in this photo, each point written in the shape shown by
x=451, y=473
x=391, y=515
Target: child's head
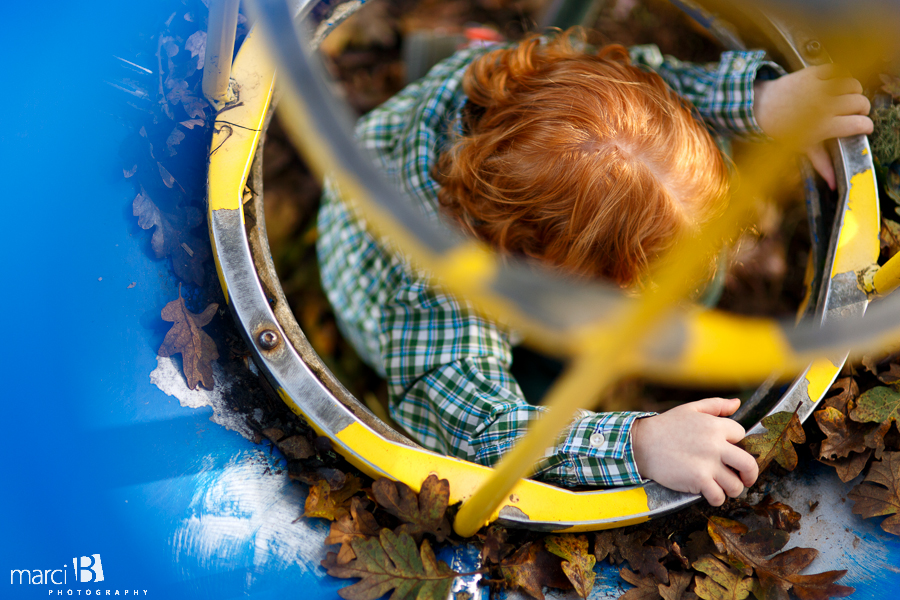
x=581, y=161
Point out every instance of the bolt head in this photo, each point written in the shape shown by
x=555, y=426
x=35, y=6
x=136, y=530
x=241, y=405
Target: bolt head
x=813, y=48
x=267, y=339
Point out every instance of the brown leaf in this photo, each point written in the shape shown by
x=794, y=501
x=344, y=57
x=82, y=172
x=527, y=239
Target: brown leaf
x=722, y=583
x=327, y=503
x=891, y=85
x=842, y=435
x=495, y=548
x=196, y=45
x=167, y=178
x=578, y=563
x=644, y=559
x=783, y=430
x=297, y=447
x=174, y=139
x=129, y=172
x=605, y=546
x=646, y=586
x=848, y=468
x=780, y=515
x=677, y=588
x=422, y=514
x=532, y=568
x=890, y=236
x=191, y=123
x=392, y=562
x=186, y=337
x=873, y=500
x=849, y=391
x=357, y=524
x=172, y=234
x=747, y=552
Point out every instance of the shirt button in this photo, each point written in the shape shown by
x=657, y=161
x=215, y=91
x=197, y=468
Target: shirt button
x=597, y=440
x=738, y=64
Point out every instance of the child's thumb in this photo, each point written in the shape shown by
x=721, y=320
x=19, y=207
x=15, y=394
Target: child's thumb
x=717, y=407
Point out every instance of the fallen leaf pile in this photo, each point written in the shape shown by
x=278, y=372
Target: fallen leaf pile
x=860, y=428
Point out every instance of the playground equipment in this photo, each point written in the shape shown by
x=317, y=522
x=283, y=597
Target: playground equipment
x=584, y=323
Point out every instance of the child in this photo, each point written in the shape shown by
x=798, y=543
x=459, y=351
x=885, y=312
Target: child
x=584, y=162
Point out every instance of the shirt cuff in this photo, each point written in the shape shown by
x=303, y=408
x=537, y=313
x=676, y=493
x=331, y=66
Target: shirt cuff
x=597, y=451
x=737, y=73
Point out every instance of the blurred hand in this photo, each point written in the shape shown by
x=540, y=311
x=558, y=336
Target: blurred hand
x=691, y=449
x=807, y=107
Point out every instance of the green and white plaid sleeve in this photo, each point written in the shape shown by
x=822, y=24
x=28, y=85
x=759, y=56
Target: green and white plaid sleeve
x=721, y=92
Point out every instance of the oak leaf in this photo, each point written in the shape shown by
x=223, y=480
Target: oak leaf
x=359, y=523
x=780, y=515
x=392, y=562
x=873, y=500
x=495, y=548
x=326, y=502
x=677, y=588
x=783, y=430
x=532, y=568
x=849, y=392
x=848, y=468
x=172, y=237
x=842, y=435
x=646, y=586
x=578, y=563
x=722, y=583
x=425, y=513
x=186, y=337
x=747, y=552
x=878, y=405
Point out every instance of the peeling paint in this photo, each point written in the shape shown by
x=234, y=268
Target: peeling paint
x=168, y=378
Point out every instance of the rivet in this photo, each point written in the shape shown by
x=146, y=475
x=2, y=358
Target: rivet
x=813, y=48
x=267, y=339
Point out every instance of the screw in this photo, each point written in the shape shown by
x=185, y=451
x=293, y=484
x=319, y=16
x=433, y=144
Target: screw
x=813, y=48
x=267, y=339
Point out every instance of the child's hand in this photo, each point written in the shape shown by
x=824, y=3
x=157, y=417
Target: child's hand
x=806, y=107
x=691, y=449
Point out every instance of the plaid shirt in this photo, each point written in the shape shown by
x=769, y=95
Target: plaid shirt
x=447, y=368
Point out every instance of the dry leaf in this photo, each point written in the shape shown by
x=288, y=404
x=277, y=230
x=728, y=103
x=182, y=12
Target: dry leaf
x=873, y=500
x=646, y=586
x=191, y=123
x=422, y=514
x=878, y=405
x=297, y=447
x=677, y=588
x=783, y=430
x=532, y=568
x=358, y=523
x=747, y=552
x=722, y=583
x=495, y=548
x=849, y=392
x=186, y=337
x=780, y=515
x=196, y=45
x=848, y=468
x=891, y=85
x=578, y=563
x=172, y=234
x=330, y=503
x=392, y=562
x=842, y=435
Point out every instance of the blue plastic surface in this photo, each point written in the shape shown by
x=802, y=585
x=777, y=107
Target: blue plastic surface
x=96, y=459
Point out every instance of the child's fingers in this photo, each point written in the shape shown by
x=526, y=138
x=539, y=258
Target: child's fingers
x=717, y=407
x=742, y=462
x=847, y=125
x=713, y=493
x=729, y=482
x=843, y=86
x=851, y=104
x=821, y=162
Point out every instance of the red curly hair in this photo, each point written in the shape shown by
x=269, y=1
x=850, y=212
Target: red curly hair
x=582, y=161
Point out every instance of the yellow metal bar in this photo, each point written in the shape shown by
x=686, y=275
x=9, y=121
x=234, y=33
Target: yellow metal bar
x=220, y=33
x=887, y=278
